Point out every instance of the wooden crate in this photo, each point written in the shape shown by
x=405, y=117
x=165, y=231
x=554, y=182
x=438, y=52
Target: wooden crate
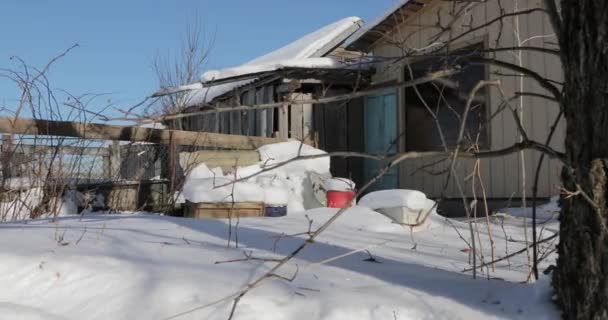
x=203, y=210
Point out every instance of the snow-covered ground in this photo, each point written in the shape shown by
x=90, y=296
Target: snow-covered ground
x=145, y=266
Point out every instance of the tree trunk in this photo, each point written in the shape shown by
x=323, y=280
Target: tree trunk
x=581, y=276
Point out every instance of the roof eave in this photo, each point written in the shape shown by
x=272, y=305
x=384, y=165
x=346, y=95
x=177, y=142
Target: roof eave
x=367, y=37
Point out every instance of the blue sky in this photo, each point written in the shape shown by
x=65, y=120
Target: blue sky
x=118, y=39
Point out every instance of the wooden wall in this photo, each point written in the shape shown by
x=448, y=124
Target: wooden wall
x=249, y=123
x=339, y=127
x=502, y=177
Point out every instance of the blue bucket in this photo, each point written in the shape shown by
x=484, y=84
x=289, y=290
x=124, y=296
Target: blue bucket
x=275, y=211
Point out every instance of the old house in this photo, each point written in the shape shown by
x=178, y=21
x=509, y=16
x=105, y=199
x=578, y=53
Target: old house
x=314, y=65
x=349, y=56
x=473, y=29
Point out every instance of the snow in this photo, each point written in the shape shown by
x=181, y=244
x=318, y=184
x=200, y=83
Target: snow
x=312, y=45
x=547, y=211
x=339, y=184
x=64, y=206
x=411, y=199
x=266, y=181
x=21, y=205
x=153, y=125
x=274, y=154
x=408, y=207
x=24, y=201
x=320, y=63
x=201, y=171
x=222, y=190
x=155, y=267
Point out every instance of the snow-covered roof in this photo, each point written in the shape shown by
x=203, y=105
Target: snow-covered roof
x=319, y=63
x=298, y=53
x=372, y=32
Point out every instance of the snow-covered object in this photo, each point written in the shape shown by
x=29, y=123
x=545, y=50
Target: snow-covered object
x=281, y=185
x=407, y=207
x=276, y=191
x=273, y=154
x=222, y=190
x=153, y=125
x=295, y=175
x=251, y=68
x=393, y=198
x=312, y=45
x=201, y=171
x=339, y=184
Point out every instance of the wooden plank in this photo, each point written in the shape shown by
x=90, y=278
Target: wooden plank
x=225, y=122
x=216, y=122
x=296, y=118
x=307, y=128
x=249, y=117
x=319, y=125
x=236, y=125
x=260, y=115
x=137, y=162
x=115, y=160
x=269, y=97
x=126, y=133
x=224, y=210
x=283, y=121
x=5, y=156
x=235, y=122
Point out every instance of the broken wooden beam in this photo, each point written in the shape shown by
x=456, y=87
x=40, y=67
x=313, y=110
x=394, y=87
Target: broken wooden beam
x=100, y=131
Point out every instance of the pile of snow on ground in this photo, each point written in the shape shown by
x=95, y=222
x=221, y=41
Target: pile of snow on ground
x=274, y=180
x=361, y=268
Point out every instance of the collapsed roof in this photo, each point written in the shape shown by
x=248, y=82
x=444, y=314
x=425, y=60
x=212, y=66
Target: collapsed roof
x=304, y=53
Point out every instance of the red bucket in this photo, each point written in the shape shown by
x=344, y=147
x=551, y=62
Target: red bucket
x=339, y=199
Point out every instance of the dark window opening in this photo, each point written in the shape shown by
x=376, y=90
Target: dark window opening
x=446, y=98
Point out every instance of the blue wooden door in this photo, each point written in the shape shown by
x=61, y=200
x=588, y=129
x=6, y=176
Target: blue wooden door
x=380, y=125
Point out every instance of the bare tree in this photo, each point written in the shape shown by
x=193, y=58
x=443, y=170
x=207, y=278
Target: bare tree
x=185, y=66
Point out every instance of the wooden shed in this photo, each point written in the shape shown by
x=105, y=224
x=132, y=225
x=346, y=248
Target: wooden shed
x=415, y=27
x=324, y=126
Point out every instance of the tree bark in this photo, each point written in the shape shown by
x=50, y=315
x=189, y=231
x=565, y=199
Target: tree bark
x=581, y=276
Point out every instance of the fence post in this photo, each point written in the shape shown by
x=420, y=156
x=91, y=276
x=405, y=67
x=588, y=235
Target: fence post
x=173, y=162
x=5, y=157
x=115, y=160
x=284, y=121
